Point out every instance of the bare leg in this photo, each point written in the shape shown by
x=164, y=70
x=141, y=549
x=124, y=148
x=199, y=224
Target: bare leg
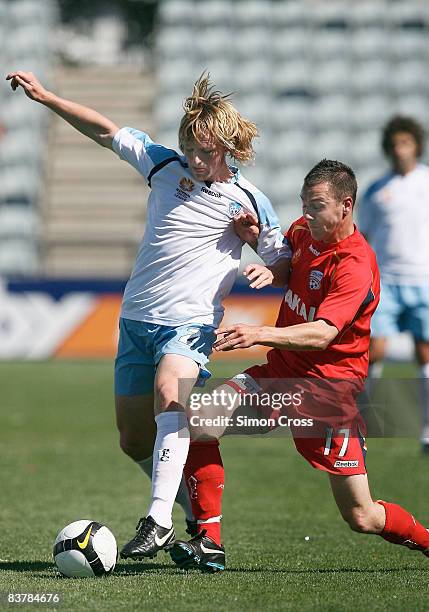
x=136, y=425
x=392, y=522
x=354, y=501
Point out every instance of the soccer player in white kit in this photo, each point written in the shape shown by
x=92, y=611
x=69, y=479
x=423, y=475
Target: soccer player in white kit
x=186, y=264
x=394, y=216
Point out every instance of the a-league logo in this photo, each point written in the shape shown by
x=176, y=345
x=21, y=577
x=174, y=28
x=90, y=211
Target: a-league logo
x=315, y=279
x=186, y=184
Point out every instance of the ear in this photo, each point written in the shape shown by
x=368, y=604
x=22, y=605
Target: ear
x=347, y=206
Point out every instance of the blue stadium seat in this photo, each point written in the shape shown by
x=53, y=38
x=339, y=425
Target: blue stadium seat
x=409, y=15
x=368, y=13
x=18, y=222
x=332, y=76
x=291, y=75
x=330, y=144
x=368, y=76
x=293, y=13
x=19, y=257
x=370, y=43
x=286, y=44
x=369, y=112
x=251, y=12
x=214, y=13
x=254, y=105
x=409, y=76
x=330, y=111
x=289, y=147
x=290, y=112
x=412, y=104
x=175, y=12
x=328, y=45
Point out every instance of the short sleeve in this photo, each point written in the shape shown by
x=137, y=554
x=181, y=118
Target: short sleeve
x=294, y=232
x=139, y=150
x=272, y=244
x=350, y=289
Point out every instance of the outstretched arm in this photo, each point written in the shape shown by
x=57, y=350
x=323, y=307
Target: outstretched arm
x=86, y=120
x=312, y=336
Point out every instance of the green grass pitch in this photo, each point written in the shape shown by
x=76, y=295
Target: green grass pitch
x=60, y=461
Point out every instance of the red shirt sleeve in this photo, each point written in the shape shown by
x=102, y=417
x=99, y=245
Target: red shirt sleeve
x=294, y=231
x=350, y=288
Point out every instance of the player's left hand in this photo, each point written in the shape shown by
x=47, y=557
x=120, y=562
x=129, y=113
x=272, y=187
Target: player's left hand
x=258, y=276
x=246, y=226
x=236, y=336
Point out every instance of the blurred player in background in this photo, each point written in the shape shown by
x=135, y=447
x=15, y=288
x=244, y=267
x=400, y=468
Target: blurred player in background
x=187, y=263
x=394, y=216
x=321, y=343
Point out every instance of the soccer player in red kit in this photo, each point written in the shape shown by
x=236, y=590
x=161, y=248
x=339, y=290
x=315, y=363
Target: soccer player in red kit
x=321, y=338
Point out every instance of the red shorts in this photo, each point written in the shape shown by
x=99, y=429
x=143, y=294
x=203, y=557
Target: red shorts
x=335, y=440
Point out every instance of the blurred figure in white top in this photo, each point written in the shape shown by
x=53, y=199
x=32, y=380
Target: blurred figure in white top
x=394, y=216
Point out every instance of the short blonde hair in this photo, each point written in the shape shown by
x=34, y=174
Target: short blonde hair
x=209, y=113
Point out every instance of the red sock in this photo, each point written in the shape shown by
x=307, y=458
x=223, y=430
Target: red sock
x=205, y=478
x=402, y=528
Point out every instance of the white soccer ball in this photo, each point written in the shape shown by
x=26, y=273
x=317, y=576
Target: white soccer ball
x=85, y=548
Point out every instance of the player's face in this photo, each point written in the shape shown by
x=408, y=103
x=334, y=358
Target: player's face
x=404, y=150
x=323, y=211
x=206, y=159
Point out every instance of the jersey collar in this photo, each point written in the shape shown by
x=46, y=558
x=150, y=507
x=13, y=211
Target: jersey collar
x=233, y=180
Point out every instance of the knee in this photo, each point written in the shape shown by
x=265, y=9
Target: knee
x=136, y=447
x=360, y=520
x=166, y=392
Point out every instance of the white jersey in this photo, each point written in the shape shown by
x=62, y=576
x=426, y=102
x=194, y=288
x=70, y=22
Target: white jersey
x=394, y=215
x=189, y=256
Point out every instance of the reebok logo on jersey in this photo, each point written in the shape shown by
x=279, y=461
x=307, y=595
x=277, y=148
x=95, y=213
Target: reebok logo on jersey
x=346, y=464
x=234, y=208
x=186, y=184
x=294, y=302
x=313, y=250
x=209, y=192
x=315, y=279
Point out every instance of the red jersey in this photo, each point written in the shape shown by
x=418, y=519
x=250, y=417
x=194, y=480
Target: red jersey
x=339, y=283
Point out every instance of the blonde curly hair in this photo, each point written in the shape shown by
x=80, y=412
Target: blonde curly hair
x=209, y=113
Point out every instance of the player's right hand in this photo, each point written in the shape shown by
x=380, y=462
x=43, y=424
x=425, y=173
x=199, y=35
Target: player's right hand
x=246, y=226
x=259, y=276
x=33, y=89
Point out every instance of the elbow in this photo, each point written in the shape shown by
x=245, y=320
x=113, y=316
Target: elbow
x=325, y=334
x=322, y=342
x=105, y=138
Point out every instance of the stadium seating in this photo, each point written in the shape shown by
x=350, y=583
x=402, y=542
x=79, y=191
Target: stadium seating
x=22, y=146
x=319, y=78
